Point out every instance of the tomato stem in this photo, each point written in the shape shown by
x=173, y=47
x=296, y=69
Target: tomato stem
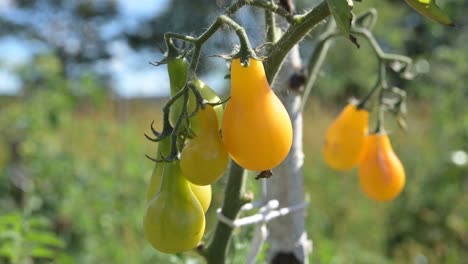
x=173, y=153
x=270, y=24
x=215, y=251
x=317, y=59
x=300, y=26
x=383, y=86
x=246, y=52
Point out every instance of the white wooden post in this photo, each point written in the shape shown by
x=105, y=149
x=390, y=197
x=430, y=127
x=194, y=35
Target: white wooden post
x=287, y=234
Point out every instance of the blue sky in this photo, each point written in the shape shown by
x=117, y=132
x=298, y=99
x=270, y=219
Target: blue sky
x=131, y=73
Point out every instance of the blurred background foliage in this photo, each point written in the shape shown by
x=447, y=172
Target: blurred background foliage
x=72, y=168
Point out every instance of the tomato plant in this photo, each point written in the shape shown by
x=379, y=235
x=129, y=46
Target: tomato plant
x=256, y=128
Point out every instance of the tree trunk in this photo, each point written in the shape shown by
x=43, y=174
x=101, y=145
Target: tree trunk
x=287, y=237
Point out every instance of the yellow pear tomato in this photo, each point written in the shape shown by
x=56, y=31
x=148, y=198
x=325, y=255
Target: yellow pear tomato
x=381, y=174
x=174, y=220
x=202, y=193
x=346, y=138
x=211, y=97
x=257, y=130
x=204, y=159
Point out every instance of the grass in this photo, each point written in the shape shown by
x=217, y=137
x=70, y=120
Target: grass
x=96, y=180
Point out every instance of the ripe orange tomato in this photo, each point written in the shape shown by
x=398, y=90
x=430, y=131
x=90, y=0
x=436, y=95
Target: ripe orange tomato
x=346, y=138
x=381, y=174
x=257, y=130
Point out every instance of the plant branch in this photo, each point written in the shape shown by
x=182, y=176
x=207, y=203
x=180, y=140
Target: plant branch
x=270, y=23
x=171, y=35
x=378, y=50
x=167, y=128
x=316, y=61
x=246, y=50
x=294, y=34
x=320, y=52
x=199, y=44
x=215, y=252
x=380, y=117
x=271, y=6
x=173, y=153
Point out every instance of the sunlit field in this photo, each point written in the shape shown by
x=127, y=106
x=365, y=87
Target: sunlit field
x=88, y=176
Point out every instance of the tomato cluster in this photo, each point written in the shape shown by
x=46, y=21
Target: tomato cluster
x=256, y=133
x=348, y=144
x=179, y=192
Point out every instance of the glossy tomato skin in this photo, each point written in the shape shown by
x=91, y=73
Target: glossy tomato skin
x=164, y=147
x=346, y=139
x=257, y=130
x=204, y=159
x=174, y=220
x=202, y=193
x=211, y=97
x=381, y=174
x=178, y=77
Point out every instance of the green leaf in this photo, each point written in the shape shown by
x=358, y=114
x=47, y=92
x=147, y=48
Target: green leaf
x=64, y=259
x=45, y=238
x=9, y=235
x=39, y=222
x=43, y=252
x=11, y=221
x=7, y=250
x=341, y=11
x=430, y=9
